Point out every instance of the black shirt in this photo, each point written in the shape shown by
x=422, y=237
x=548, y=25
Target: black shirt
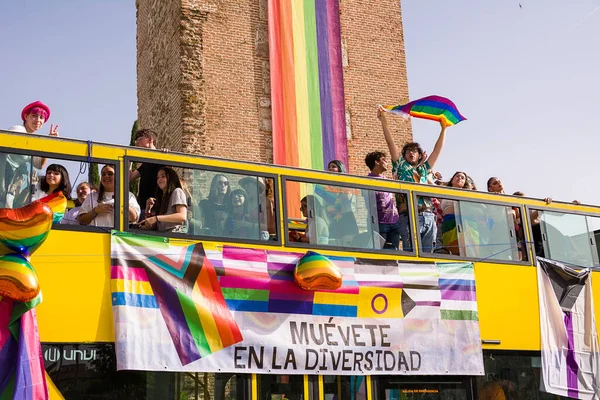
x=148, y=186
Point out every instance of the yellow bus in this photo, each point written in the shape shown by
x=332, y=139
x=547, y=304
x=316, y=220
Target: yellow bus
x=499, y=235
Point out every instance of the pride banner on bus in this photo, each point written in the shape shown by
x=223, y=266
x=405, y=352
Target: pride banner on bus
x=230, y=309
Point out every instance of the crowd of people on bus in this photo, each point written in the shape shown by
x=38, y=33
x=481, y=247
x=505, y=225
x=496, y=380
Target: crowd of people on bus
x=164, y=202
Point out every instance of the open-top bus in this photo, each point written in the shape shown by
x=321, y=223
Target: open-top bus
x=76, y=323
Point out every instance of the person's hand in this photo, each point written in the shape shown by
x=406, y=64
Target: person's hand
x=148, y=223
x=103, y=208
x=380, y=113
x=443, y=124
x=438, y=175
x=53, y=130
x=548, y=200
x=150, y=203
x=423, y=158
x=577, y=202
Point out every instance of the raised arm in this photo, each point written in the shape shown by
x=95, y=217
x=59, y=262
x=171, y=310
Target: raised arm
x=439, y=145
x=394, y=152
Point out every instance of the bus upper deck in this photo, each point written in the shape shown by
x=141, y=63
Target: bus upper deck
x=501, y=236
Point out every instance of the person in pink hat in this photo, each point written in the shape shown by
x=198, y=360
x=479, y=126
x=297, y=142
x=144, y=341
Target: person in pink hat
x=14, y=171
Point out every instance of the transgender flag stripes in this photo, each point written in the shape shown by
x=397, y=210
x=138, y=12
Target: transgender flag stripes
x=307, y=89
x=570, y=358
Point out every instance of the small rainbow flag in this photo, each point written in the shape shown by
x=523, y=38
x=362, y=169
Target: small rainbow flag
x=435, y=108
x=22, y=374
x=307, y=88
x=58, y=203
x=182, y=283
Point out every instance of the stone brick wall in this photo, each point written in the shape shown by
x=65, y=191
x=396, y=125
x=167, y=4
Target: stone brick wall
x=203, y=75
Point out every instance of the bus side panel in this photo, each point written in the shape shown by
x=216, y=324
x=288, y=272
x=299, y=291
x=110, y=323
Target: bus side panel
x=74, y=273
x=507, y=300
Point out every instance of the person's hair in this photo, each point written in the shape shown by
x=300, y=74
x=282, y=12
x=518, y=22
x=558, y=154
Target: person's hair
x=340, y=165
x=489, y=182
x=162, y=197
x=76, y=201
x=471, y=182
x=411, y=146
x=316, y=203
x=518, y=193
x=449, y=184
x=214, y=186
x=65, y=183
x=149, y=133
x=232, y=196
x=101, y=189
x=269, y=188
x=39, y=111
x=372, y=158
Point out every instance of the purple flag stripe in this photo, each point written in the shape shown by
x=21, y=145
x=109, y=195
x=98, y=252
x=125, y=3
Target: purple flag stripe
x=290, y=307
x=306, y=296
x=282, y=275
x=172, y=313
x=239, y=282
x=457, y=287
x=8, y=356
x=243, y=254
x=466, y=295
x=337, y=81
x=429, y=303
x=572, y=367
x=278, y=266
x=325, y=82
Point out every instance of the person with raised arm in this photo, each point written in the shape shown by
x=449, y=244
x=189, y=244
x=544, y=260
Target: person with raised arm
x=413, y=165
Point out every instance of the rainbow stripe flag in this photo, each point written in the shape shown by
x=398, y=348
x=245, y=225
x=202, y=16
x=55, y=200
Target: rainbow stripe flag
x=22, y=374
x=149, y=272
x=58, y=203
x=307, y=88
x=435, y=108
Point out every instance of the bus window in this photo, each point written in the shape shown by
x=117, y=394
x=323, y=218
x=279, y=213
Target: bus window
x=421, y=388
x=515, y=376
x=338, y=216
x=483, y=231
x=564, y=237
x=15, y=179
x=344, y=387
x=225, y=204
x=276, y=387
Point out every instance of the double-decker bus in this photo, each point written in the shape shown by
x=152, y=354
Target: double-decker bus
x=498, y=235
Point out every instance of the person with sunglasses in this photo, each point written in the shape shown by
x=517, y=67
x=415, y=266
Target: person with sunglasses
x=214, y=208
x=98, y=208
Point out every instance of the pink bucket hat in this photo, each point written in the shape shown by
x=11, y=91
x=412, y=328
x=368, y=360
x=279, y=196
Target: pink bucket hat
x=35, y=104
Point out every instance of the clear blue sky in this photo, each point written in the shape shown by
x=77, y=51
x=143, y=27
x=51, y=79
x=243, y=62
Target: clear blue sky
x=526, y=78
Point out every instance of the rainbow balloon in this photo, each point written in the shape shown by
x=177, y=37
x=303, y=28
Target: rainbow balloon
x=435, y=108
x=316, y=272
x=58, y=203
x=307, y=88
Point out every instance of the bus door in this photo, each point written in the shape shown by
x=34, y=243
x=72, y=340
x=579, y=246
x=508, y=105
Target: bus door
x=422, y=388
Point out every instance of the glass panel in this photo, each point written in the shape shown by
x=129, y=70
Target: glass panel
x=280, y=387
x=15, y=180
x=421, y=388
x=345, y=387
x=341, y=216
x=511, y=377
x=225, y=204
x=565, y=238
x=487, y=231
x=594, y=229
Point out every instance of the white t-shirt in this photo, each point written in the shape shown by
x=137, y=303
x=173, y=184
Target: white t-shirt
x=70, y=217
x=106, y=219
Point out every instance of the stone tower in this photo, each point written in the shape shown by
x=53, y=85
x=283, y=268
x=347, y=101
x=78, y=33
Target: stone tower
x=203, y=75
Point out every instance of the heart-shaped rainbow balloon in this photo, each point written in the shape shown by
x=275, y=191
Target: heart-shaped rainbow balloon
x=18, y=279
x=316, y=272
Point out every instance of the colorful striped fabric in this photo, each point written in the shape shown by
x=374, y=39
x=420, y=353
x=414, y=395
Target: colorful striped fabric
x=435, y=108
x=22, y=374
x=457, y=285
x=182, y=283
x=307, y=89
x=58, y=203
x=23, y=230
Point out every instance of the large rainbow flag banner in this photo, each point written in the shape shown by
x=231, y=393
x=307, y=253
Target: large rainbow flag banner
x=307, y=88
x=204, y=307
